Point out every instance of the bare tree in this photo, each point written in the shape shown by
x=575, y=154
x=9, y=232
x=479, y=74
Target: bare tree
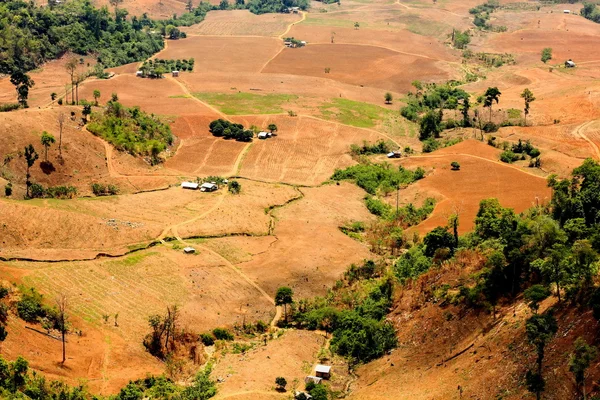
x=62, y=305
x=61, y=118
x=71, y=67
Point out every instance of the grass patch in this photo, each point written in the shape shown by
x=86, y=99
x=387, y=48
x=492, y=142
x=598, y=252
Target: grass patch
x=354, y=113
x=247, y=103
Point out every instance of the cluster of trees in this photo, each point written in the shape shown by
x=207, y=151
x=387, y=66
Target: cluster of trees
x=275, y=6
x=230, y=130
x=295, y=42
x=482, y=13
x=377, y=178
x=591, y=12
x=360, y=331
x=157, y=67
x=70, y=26
x=367, y=149
x=545, y=250
x=100, y=189
x=490, y=59
x=519, y=151
x=132, y=130
x=18, y=381
x=460, y=40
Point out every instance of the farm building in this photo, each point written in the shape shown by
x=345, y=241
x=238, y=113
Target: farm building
x=189, y=185
x=567, y=11
x=302, y=396
x=394, y=154
x=175, y=74
x=314, y=379
x=323, y=371
x=208, y=187
x=569, y=64
x=287, y=44
x=139, y=74
x=189, y=250
x=264, y=135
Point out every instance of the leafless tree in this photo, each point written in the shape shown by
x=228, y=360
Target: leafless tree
x=71, y=67
x=61, y=118
x=62, y=305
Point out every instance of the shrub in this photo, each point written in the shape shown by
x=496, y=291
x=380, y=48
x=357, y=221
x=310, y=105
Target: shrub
x=371, y=177
x=508, y=156
x=8, y=189
x=104, y=190
x=546, y=54
x=9, y=107
x=207, y=339
x=430, y=145
x=455, y=165
x=222, y=334
x=30, y=308
x=234, y=187
x=3, y=292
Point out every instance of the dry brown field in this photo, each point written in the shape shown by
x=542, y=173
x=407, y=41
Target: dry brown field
x=283, y=229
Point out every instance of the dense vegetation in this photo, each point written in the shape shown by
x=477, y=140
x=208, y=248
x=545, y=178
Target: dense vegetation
x=376, y=178
x=591, y=12
x=157, y=67
x=547, y=249
x=357, y=322
x=31, y=35
x=482, y=13
x=132, y=130
x=275, y=6
x=230, y=130
x=379, y=147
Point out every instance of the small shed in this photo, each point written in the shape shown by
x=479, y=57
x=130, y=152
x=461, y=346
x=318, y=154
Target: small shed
x=323, y=371
x=264, y=135
x=303, y=43
x=302, y=396
x=175, y=74
x=567, y=11
x=394, y=154
x=189, y=250
x=139, y=74
x=208, y=187
x=314, y=379
x=569, y=63
x=189, y=185
x=287, y=44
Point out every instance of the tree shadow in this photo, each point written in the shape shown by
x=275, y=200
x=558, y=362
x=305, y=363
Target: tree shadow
x=47, y=167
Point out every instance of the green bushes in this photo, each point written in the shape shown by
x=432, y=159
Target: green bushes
x=546, y=54
x=100, y=189
x=222, y=334
x=230, y=130
x=508, y=156
x=412, y=264
x=379, y=147
x=157, y=67
x=37, y=191
x=132, y=130
x=372, y=177
x=9, y=107
x=360, y=333
x=591, y=12
x=234, y=187
x=207, y=339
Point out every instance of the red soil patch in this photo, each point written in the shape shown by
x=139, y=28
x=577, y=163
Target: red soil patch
x=403, y=41
x=358, y=65
x=477, y=179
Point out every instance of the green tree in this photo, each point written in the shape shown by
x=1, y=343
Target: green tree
x=580, y=361
x=272, y=128
x=234, y=187
x=53, y=96
x=455, y=165
x=356, y=25
x=430, y=125
x=554, y=267
x=47, y=140
x=283, y=297
x=281, y=383
x=491, y=95
x=202, y=388
x=22, y=83
x=18, y=372
x=528, y=98
x=224, y=5
x=438, y=238
x=534, y=295
x=494, y=279
x=87, y=110
x=96, y=95
x=546, y=54
x=388, y=98
x=540, y=329
x=30, y=158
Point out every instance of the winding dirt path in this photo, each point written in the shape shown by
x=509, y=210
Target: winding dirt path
x=579, y=131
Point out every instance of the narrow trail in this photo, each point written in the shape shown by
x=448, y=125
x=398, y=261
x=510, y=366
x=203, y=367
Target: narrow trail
x=281, y=37
x=248, y=394
x=238, y=161
x=579, y=131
